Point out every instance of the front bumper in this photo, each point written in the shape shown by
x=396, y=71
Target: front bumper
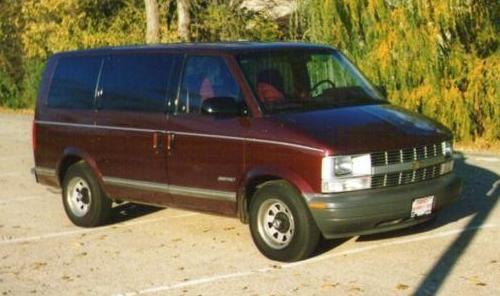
x=379, y=210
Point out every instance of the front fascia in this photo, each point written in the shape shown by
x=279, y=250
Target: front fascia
x=378, y=210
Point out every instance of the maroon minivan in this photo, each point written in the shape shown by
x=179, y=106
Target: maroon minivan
x=289, y=137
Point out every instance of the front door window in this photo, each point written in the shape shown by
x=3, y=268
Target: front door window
x=205, y=77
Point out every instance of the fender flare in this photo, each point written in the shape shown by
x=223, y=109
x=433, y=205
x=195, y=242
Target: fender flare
x=70, y=152
x=268, y=173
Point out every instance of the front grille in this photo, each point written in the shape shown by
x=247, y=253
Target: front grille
x=406, y=155
x=401, y=159
x=406, y=177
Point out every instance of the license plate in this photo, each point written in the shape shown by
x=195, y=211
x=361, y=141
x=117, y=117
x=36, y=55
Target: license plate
x=422, y=206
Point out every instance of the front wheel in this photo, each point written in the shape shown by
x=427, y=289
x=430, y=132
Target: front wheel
x=281, y=224
x=84, y=201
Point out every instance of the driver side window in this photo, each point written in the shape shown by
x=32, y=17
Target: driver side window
x=205, y=77
x=324, y=74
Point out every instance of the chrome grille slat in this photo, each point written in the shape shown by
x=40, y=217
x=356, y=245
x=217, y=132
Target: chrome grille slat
x=420, y=153
x=406, y=177
x=406, y=154
x=383, y=162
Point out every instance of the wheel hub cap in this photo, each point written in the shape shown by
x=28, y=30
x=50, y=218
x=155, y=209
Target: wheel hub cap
x=78, y=196
x=275, y=223
x=281, y=223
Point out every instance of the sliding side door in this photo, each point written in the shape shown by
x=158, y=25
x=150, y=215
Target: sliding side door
x=131, y=119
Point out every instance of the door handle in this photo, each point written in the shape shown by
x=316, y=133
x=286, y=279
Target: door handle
x=170, y=141
x=157, y=142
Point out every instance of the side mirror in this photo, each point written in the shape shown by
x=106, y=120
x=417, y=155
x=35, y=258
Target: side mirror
x=381, y=89
x=221, y=107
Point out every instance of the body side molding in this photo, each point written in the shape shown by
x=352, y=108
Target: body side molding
x=172, y=189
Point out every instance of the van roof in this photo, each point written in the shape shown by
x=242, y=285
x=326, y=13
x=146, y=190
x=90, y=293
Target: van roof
x=227, y=47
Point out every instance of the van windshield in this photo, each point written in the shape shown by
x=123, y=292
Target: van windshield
x=291, y=81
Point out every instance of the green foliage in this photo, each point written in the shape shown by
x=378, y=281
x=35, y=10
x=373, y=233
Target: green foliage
x=57, y=25
x=226, y=20
x=8, y=90
x=29, y=87
x=47, y=26
x=11, y=71
x=10, y=42
x=436, y=57
x=32, y=30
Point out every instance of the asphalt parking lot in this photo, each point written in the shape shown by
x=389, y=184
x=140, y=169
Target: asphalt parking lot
x=155, y=251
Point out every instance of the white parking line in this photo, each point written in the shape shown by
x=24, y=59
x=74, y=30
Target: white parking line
x=86, y=230
x=485, y=158
x=220, y=277
x=15, y=174
x=493, y=188
x=24, y=198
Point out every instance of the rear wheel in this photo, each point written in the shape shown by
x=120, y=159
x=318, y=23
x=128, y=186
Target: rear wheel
x=281, y=224
x=84, y=201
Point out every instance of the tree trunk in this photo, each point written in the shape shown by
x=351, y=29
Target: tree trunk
x=152, y=22
x=184, y=19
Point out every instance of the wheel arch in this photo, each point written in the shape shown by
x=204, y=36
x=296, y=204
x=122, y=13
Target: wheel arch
x=72, y=155
x=258, y=176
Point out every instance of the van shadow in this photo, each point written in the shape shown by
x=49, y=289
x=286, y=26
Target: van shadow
x=473, y=200
x=479, y=197
x=129, y=211
x=477, y=182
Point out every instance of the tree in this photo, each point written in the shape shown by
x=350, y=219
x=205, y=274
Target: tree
x=183, y=19
x=152, y=22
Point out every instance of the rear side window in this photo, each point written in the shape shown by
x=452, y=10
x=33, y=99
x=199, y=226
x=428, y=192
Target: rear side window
x=74, y=82
x=136, y=82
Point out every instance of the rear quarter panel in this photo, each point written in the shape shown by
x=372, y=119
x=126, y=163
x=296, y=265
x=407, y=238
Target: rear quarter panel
x=53, y=139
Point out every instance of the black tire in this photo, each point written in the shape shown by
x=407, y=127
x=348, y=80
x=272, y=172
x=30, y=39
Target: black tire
x=276, y=241
x=84, y=201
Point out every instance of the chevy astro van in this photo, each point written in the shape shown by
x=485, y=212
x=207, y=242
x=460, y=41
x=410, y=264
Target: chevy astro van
x=288, y=137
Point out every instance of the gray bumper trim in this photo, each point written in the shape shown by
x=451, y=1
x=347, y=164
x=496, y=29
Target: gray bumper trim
x=43, y=171
x=378, y=210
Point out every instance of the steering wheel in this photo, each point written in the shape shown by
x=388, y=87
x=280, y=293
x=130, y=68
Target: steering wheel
x=315, y=87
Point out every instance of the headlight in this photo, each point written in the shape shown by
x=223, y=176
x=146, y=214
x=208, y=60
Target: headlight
x=447, y=148
x=346, y=173
x=342, y=165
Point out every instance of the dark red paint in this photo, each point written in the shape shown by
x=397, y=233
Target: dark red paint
x=197, y=161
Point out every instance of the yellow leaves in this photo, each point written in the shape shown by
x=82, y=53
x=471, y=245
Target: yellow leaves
x=382, y=52
x=48, y=25
x=437, y=57
x=483, y=91
x=58, y=25
x=226, y=20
